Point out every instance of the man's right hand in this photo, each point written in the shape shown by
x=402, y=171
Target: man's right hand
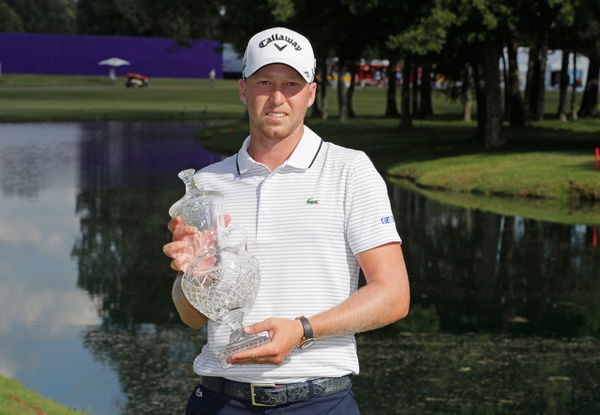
x=188, y=243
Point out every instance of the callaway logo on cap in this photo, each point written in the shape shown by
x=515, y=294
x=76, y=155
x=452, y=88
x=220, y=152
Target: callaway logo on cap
x=279, y=45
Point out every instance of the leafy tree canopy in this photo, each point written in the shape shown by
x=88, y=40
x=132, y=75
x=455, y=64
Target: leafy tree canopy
x=9, y=19
x=45, y=16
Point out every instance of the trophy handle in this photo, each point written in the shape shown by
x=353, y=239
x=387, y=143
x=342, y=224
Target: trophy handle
x=243, y=238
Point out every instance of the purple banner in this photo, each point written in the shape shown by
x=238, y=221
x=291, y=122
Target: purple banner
x=34, y=53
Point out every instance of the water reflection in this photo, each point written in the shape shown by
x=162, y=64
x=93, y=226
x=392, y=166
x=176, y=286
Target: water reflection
x=76, y=202
x=35, y=159
x=505, y=316
x=119, y=155
x=128, y=179
x=478, y=271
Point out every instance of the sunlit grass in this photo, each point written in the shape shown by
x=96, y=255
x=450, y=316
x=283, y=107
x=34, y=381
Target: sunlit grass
x=549, y=210
x=15, y=399
x=555, y=175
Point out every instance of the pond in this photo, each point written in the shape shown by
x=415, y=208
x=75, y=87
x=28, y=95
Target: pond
x=505, y=311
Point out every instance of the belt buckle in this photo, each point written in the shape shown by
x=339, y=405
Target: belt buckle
x=252, y=397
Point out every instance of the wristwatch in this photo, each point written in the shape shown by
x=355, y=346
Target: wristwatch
x=308, y=339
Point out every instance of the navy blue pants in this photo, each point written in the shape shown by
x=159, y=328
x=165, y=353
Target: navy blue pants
x=206, y=402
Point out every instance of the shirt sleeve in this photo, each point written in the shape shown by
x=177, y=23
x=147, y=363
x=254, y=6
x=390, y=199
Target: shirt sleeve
x=369, y=219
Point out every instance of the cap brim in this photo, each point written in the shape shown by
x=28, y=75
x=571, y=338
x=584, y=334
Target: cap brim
x=292, y=64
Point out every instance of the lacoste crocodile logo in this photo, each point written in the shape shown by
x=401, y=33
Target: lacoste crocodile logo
x=280, y=48
x=312, y=201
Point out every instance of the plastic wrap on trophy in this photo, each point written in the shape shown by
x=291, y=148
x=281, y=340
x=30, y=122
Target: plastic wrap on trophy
x=222, y=280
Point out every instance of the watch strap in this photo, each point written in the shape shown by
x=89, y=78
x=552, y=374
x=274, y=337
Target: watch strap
x=308, y=330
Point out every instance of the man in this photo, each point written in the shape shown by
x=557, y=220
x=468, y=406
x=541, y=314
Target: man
x=313, y=213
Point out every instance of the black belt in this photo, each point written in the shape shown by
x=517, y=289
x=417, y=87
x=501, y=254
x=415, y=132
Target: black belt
x=273, y=395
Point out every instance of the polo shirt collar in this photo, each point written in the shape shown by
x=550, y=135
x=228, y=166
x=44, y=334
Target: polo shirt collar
x=302, y=157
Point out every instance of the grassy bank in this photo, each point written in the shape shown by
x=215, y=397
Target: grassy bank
x=551, y=161
x=15, y=399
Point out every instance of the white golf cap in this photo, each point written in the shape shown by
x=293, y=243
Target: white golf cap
x=279, y=45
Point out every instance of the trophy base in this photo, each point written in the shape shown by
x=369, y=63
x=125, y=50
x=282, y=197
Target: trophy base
x=240, y=342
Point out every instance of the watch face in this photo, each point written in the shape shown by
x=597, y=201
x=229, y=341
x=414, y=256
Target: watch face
x=306, y=344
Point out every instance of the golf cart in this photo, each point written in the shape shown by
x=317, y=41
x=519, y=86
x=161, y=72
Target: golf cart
x=135, y=80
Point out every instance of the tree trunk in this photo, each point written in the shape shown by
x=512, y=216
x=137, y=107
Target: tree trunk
x=493, y=96
x=538, y=86
x=563, y=85
x=480, y=97
x=574, y=90
x=541, y=88
x=589, y=101
x=529, y=82
x=506, y=89
x=415, y=91
x=341, y=93
x=468, y=93
x=516, y=115
x=406, y=119
x=350, y=90
x=391, y=109
x=426, y=101
x=319, y=108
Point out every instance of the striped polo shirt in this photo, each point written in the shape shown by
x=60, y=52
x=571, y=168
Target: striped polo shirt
x=305, y=222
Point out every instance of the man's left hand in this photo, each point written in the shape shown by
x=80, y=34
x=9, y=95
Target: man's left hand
x=285, y=334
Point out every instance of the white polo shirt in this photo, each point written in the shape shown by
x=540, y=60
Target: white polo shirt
x=305, y=222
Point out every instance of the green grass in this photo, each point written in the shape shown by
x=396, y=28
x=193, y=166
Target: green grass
x=549, y=210
x=15, y=399
x=75, y=98
x=550, y=160
x=552, y=175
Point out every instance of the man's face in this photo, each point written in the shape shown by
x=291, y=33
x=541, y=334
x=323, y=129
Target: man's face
x=277, y=98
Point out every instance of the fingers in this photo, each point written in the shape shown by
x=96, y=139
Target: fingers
x=179, y=253
x=261, y=355
x=284, y=334
x=179, y=264
x=180, y=229
x=177, y=220
x=174, y=222
x=255, y=328
x=189, y=243
x=183, y=230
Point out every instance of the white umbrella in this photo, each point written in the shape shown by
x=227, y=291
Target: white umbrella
x=113, y=63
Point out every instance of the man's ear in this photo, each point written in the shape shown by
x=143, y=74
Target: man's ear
x=312, y=93
x=242, y=86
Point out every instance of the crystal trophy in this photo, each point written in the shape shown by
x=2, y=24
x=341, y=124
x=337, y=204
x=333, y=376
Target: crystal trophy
x=222, y=280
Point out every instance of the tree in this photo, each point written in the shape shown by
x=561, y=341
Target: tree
x=541, y=20
x=493, y=99
x=589, y=101
x=45, y=16
x=512, y=30
x=590, y=46
x=515, y=108
x=475, y=40
x=9, y=19
x=426, y=108
x=563, y=84
x=180, y=19
x=103, y=17
x=423, y=34
x=406, y=119
x=564, y=38
x=391, y=109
